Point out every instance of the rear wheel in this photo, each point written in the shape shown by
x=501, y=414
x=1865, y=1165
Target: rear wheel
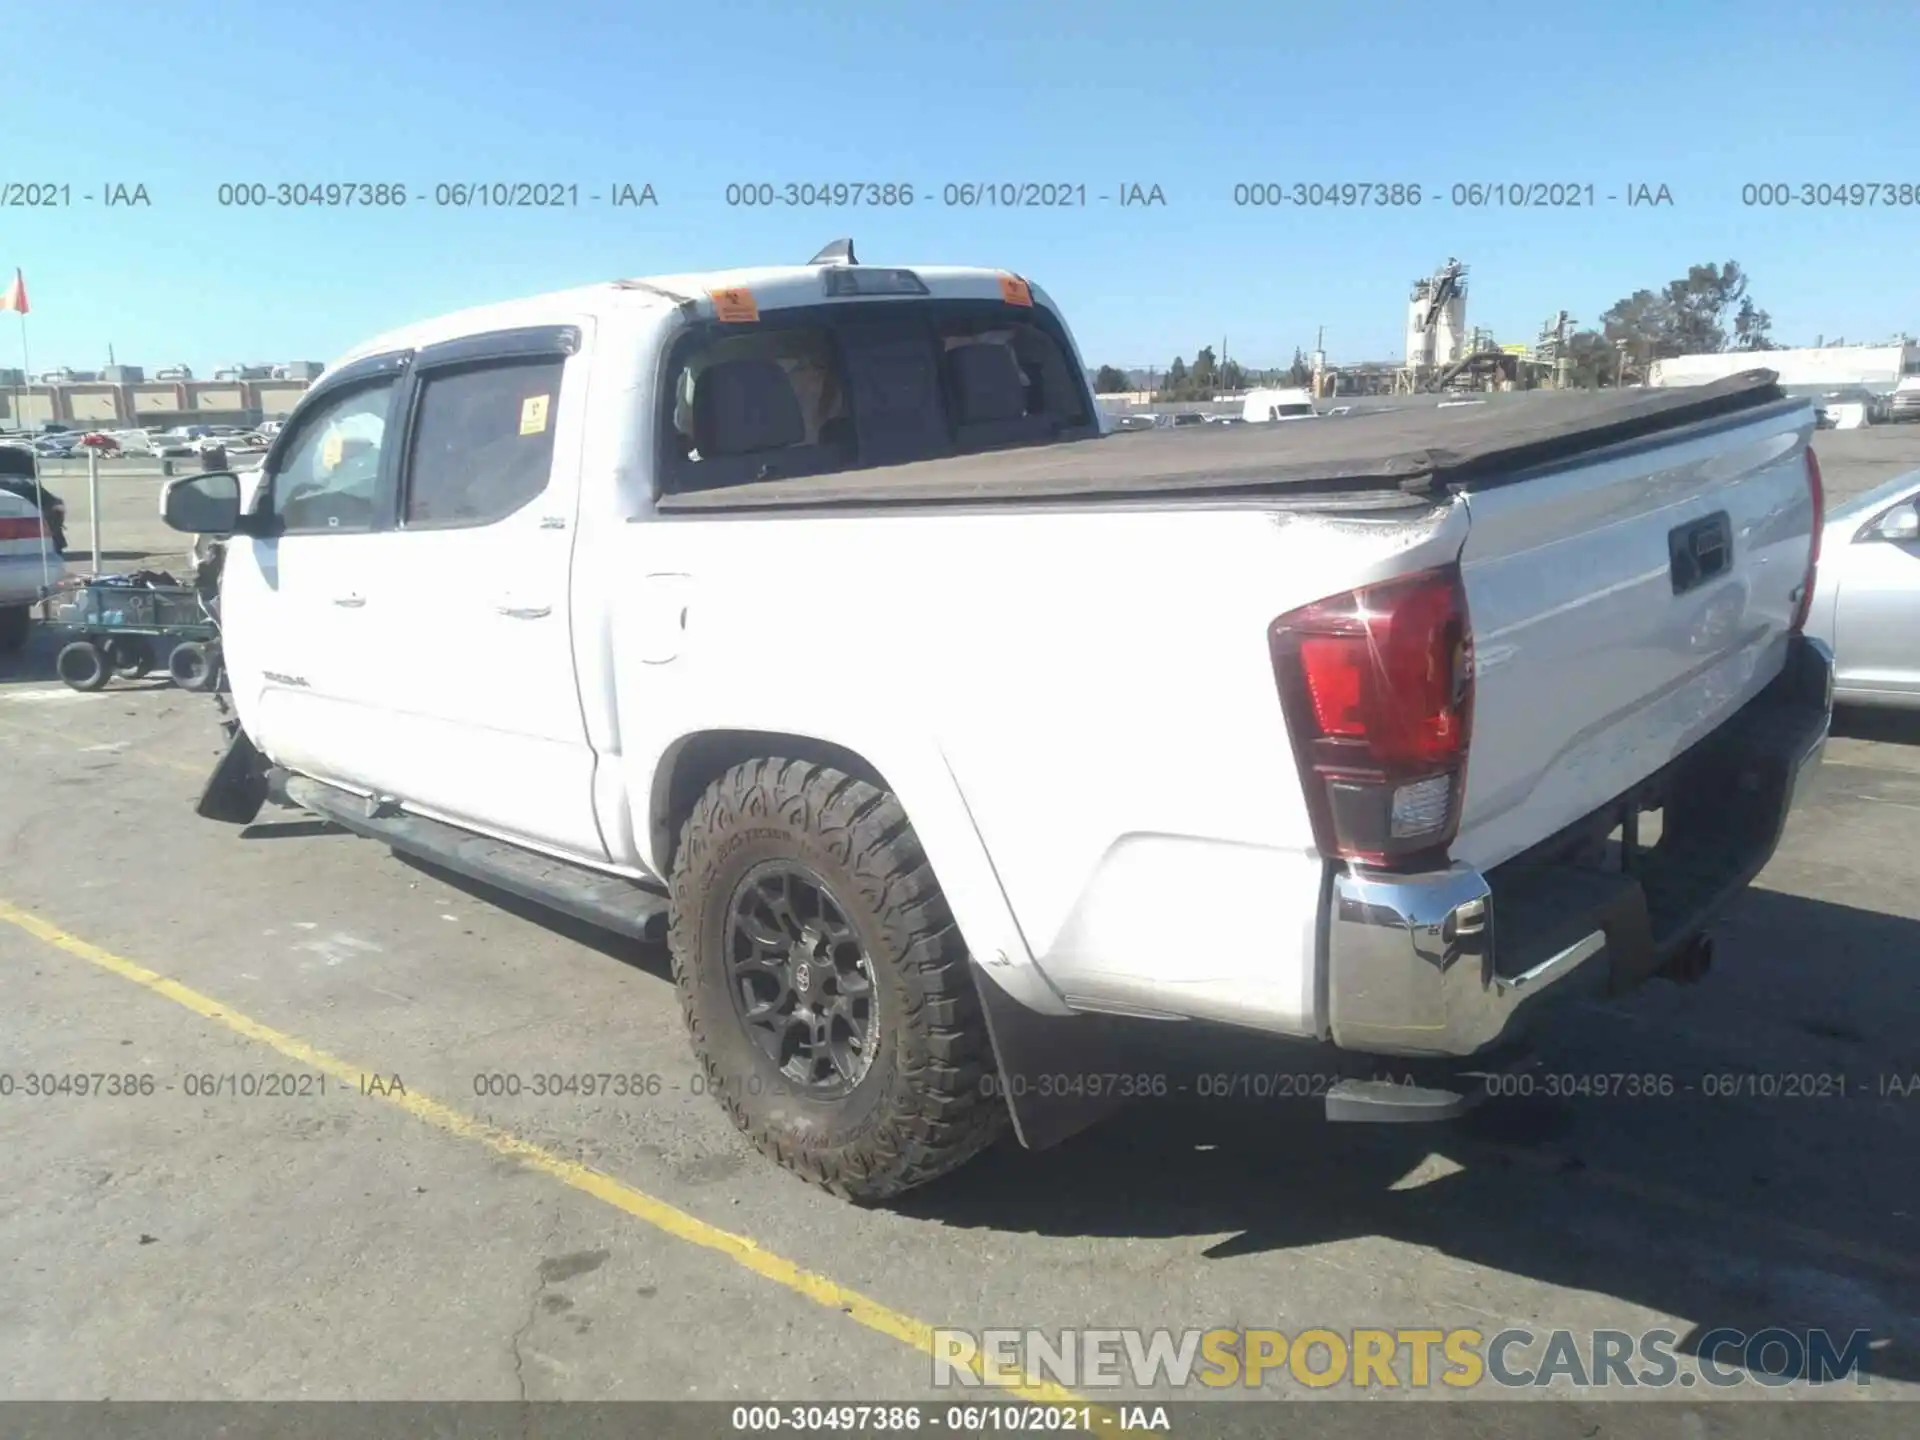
x=83, y=665
x=824, y=983
x=15, y=622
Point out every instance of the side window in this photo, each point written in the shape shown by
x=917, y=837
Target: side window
x=326, y=480
x=482, y=442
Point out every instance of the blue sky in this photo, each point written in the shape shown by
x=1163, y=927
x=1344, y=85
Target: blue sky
x=1698, y=95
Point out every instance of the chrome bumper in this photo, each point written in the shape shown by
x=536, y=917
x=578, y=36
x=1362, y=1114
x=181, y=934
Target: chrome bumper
x=1412, y=959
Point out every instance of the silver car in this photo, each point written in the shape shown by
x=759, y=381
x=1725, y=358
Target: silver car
x=1866, y=597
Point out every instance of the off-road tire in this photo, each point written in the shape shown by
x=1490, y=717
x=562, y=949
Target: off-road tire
x=15, y=622
x=923, y=1106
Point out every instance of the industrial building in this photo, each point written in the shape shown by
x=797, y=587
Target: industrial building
x=1877, y=367
x=121, y=396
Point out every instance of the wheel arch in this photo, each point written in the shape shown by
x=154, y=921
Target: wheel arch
x=926, y=790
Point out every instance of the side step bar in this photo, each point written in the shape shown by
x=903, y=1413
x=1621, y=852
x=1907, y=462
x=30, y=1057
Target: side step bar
x=607, y=901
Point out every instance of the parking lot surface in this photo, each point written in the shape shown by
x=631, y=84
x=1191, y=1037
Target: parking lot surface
x=395, y=1225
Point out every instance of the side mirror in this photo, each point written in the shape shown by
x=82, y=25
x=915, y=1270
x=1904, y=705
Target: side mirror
x=1900, y=523
x=206, y=504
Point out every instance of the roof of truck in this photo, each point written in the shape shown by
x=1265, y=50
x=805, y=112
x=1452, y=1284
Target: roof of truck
x=1419, y=450
x=773, y=287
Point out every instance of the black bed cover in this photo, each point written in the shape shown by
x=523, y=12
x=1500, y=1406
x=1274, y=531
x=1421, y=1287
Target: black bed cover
x=1421, y=450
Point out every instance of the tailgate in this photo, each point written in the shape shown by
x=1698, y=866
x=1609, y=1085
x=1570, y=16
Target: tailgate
x=1623, y=607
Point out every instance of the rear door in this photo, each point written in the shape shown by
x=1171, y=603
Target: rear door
x=1622, y=608
x=477, y=685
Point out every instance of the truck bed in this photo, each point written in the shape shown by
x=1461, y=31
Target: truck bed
x=1419, y=451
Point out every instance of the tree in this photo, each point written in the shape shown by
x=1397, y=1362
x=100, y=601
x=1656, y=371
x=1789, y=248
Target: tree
x=1233, y=376
x=1110, y=381
x=1204, y=378
x=1300, y=373
x=1690, y=316
x=1752, y=328
x=1591, y=360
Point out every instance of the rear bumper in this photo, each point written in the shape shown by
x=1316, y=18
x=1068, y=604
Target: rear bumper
x=1450, y=962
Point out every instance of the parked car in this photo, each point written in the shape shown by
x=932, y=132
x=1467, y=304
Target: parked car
x=1845, y=407
x=171, y=446
x=56, y=447
x=1904, y=403
x=1219, y=746
x=105, y=446
x=28, y=562
x=17, y=477
x=1867, y=600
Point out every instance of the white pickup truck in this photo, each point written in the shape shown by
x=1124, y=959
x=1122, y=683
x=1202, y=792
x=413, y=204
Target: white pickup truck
x=805, y=617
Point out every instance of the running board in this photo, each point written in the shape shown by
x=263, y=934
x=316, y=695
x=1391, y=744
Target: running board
x=609, y=902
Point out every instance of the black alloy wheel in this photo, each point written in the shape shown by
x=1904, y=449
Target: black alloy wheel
x=801, y=982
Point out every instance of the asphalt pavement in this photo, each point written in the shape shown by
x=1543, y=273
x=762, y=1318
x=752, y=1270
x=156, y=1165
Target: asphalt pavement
x=315, y=1186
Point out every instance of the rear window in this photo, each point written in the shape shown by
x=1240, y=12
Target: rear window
x=831, y=388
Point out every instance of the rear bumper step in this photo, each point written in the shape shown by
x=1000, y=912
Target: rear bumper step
x=606, y=901
x=1445, y=963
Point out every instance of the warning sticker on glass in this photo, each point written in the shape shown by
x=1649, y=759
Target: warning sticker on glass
x=734, y=307
x=333, y=449
x=533, y=414
x=1015, y=291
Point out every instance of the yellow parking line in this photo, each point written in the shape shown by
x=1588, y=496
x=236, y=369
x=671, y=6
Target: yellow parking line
x=864, y=1310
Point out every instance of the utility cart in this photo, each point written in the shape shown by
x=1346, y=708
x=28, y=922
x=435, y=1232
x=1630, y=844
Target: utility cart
x=131, y=624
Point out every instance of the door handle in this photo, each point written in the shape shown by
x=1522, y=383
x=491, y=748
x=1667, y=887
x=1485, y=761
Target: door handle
x=350, y=602
x=524, y=612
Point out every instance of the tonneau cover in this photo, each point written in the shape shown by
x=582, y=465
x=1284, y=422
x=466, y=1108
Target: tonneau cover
x=1419, y=450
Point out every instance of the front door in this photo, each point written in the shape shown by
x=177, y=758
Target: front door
x=297, y=634
x=1874, y=643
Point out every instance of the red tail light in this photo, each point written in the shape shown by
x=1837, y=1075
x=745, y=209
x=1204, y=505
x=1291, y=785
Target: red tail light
x=1817, y=488
x=22, y=527
x=1377, y=685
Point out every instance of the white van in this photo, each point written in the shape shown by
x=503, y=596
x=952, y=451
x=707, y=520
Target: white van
x=1279, y=405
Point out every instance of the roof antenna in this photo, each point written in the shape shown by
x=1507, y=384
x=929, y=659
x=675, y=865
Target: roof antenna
x=838, y=252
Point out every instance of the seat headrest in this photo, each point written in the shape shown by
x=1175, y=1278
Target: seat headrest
x=987, y=383
x=743, y=406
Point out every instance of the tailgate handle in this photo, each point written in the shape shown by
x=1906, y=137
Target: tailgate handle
x=1700, y=550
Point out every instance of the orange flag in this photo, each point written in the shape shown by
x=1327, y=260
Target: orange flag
x=16, y=296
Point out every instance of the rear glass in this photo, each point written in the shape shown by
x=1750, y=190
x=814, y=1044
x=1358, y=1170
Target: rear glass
x=850, y=386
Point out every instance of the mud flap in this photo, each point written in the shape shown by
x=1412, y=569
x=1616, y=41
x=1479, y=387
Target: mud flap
x=238, y=786
x=1057, y=1072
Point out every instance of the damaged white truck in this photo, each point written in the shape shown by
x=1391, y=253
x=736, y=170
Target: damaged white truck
x=805, y=618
